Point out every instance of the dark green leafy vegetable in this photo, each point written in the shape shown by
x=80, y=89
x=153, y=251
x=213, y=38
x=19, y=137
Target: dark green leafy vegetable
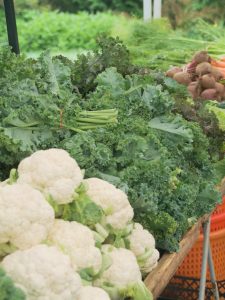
x=111, y=53
x=39, y=108
x=165, y=167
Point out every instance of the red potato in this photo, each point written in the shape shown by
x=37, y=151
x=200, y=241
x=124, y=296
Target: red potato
x=194, y=89
x=216, y=74
x=209, y=94
x=201, y=56
x=182, y=78
x=173, y=71
x=220, y=90
x=208, y=81
x=203, y=68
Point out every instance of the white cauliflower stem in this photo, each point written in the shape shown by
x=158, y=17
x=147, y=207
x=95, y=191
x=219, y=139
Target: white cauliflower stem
x=53, y=172
x=113, y=201
x=78, y=242
x=43, y=273
x=92, y=293
x=25, y=216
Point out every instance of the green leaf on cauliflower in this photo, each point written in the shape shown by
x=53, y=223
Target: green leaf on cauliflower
x=8, y=290
x=83, y=210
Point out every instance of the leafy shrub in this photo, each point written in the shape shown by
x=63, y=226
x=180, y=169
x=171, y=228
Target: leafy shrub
x=180, y=12
x=57, y=30
x=22, y=5
x=3, y=36
x=130, y=6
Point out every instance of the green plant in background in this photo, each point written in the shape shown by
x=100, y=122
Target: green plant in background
x=129, y=6
x=63, y=31
x=180, y=12
x=200, y=4
x=59, y=31
x=77, y=5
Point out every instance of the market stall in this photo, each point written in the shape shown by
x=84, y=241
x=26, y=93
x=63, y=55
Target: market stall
x=159, y=155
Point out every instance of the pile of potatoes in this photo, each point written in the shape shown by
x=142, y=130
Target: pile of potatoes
x=201, y=79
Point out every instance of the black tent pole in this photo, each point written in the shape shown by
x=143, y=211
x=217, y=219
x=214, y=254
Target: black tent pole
x=11, y=25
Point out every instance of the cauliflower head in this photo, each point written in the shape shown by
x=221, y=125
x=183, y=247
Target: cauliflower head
x=43, y=273
x=78, y=242
x=123, y=277
x=124, y=269
x=25, y=217
x=54, y=172
x=113, y=201
x=93, y=293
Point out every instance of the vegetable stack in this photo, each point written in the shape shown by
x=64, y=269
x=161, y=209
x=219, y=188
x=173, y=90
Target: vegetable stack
x=92, y=250
x=158, y=158
x=202, y=77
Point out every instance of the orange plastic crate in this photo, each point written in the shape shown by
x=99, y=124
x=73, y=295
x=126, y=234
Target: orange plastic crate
x=217, y=222
x=220, y=208
x=191, y=267
x=218, y=217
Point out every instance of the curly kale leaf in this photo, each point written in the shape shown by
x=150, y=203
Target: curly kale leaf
x=110, y=81
x=111, y=53
x=89, y=154
x=164, y=227
x=131, y=97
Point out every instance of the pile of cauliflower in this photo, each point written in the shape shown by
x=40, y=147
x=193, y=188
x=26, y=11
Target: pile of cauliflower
x=63, y=237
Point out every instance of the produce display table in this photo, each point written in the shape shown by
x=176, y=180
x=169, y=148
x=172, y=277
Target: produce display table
x=158, y=279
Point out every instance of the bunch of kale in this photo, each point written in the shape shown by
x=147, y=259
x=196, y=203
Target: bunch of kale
x=156, y=156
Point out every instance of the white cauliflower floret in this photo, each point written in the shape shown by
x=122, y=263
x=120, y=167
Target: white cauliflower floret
x=25, y=216
x=78, y=242
x=123, y=277
x=113, y=201
x=151, y=263
x=53, y=172
x=142, y=244
x=87, y=257
x=71, y=234
x=141, y=240
x=43, y=273
x=92, y=293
